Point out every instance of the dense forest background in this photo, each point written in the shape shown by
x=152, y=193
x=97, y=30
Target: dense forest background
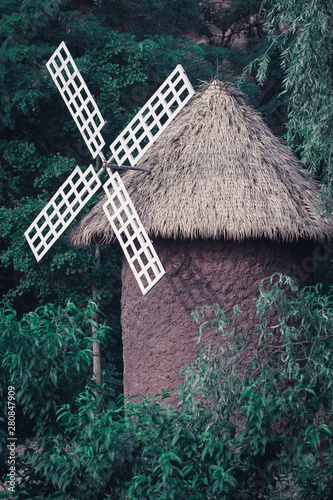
x=279, y=53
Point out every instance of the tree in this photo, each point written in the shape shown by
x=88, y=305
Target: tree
x=229, y=20
x=302, y=33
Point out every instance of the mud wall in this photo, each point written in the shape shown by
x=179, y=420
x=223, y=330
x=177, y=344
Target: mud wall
x=159, y=337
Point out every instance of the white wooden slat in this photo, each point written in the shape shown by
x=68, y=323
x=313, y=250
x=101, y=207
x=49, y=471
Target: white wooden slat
x=136, y=245
x=59, y=212
x=77, y=97
x=153, y=118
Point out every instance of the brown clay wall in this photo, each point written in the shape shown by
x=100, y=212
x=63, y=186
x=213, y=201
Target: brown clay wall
x=159, y=337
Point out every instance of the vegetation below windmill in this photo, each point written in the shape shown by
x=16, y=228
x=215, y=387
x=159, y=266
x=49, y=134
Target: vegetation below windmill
x=259, y=431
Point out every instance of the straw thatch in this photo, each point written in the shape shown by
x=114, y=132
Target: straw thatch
x=218, y=172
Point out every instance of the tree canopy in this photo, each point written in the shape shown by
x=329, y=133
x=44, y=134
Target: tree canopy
x=301, y=31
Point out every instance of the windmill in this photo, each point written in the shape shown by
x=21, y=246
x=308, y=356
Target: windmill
x=143, y=130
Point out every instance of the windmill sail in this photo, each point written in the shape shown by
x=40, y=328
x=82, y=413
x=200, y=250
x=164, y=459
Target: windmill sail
x=136, y=245
x=153, y=118
x=63, y=207
x=77, y=97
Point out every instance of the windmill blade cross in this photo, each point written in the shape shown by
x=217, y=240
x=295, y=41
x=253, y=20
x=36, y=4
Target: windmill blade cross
x=78, y=98
x=129, y=146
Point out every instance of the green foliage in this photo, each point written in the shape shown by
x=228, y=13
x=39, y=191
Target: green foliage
x=21, y=82
x=179, y=18
x=302, y=33
x=47, y=354
x=151, y=452
x=47, y=357
x=292, y=392
x=252, y=420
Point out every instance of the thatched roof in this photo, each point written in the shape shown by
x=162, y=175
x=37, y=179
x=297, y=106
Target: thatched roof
x=218, y=172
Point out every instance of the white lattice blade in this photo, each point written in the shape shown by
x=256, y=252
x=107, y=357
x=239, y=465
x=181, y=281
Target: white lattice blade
x=61, y=210
x=136, y=245
x=77, y=97
x=153, y=118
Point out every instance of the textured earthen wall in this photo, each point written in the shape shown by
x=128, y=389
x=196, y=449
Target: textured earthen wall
x=158, y=333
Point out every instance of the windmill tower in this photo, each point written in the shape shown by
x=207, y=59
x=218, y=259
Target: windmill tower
x=234, y=206
x=128, y=147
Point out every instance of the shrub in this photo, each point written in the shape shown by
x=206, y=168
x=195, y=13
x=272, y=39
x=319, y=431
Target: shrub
x=46, y=356
x=240, y=430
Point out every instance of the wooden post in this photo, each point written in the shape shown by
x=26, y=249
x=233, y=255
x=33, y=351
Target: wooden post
x=96, y=348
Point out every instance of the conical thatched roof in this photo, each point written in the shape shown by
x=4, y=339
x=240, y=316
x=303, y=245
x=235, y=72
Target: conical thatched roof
x=218, y=172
